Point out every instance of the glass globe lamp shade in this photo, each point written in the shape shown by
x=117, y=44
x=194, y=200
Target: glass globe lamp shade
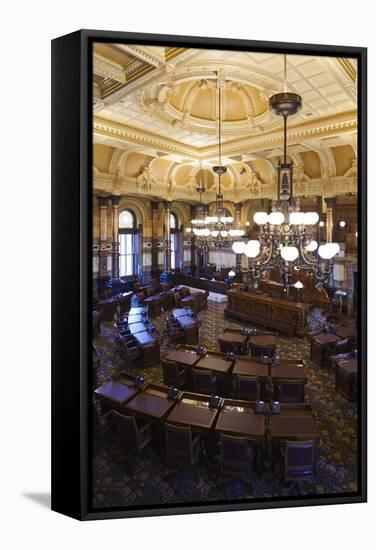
x=214, y=233
x=311, y=218
x=188, y=229
x=297, y=218
x=334, y=248
x=298, y=284
x=311, y=247
x=224, y=233
x=342, y=224
x=289, y=253
x=276, y=218
x=206, y=232
x=195, y=231
x=328, y=250
x=322, y=223
x=252, y=249
x=261, y=218
x=231, y=273
x=238, y=247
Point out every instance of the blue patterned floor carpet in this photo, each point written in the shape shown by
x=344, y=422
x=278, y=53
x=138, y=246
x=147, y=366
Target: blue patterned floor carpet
x=145, y=480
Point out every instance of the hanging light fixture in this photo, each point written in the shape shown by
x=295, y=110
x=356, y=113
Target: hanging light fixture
x=287, y=235
x=220, y=225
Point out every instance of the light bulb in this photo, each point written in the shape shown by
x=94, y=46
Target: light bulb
x=311, y=218
x=328, y=250
x=311, y=247
x=289, y=253
x=231, y=273
x=252, y=249
x=238, y=247
x=298, y=284
x=260, y=218
x=214, y=233
x=276, y=218
x=297, y=218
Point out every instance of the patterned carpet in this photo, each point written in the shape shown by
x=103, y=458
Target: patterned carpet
x=146, y=480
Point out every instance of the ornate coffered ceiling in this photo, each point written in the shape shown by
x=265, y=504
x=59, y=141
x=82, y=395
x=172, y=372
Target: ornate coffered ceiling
x=156, y=122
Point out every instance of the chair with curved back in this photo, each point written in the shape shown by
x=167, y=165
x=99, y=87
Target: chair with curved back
x=236, y=457
x=129, y=350
x=298, y=460
x=203, y=381
x=133, y=434
x=182, y=448
x=290, y=391
x=247, y=387
x=173, y=375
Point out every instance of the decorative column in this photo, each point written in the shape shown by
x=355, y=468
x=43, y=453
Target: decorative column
x=103, y=204
x=115, y=236
x=167, y=205
x=154, y=237
x=193, y=243
x=330, y=202
x=238, y=217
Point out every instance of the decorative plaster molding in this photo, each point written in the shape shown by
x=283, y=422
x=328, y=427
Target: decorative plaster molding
x=108, y=69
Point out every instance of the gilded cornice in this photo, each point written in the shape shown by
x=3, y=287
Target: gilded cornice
x=108, y=69
x=313, y=129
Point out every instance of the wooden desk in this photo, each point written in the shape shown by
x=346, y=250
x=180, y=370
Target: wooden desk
x=115, y=394
x=134, y=319
x=346, y=377
x=297, y=373
x=215, y=363
x=152, y=402
x=319, y=344
x=248, y=366
x=263, y=340
x=184, y=357
x=194, y=413
x=241, y=422
x=289, y=317
x=149, y=346
x=136, y=327
x=346, y=332
x=179, y=312
x=108, y=306
x=233, y=340
x=297, y=427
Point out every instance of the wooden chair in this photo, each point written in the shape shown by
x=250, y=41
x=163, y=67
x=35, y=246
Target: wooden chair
x=103, y=420
x=130, y=351
x=173, y=375
x=290, y=391
x=236, y=457
x=182, y=449
x=247, y=387
x=298, y=460
x=133, y=434
x=203, y=381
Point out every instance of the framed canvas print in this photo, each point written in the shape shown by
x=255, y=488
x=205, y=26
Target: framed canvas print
x=209, y=274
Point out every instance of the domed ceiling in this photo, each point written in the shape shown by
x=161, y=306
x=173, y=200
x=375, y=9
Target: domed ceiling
x=156, y=122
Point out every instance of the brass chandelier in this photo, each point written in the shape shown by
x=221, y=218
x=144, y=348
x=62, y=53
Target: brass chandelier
x=286, y=235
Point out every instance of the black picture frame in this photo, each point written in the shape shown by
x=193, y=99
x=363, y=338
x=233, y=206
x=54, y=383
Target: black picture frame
x=71, y=270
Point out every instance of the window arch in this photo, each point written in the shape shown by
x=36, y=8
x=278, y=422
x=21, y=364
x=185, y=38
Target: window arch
x=128, y=243
x=173, y=222
x=127, y=220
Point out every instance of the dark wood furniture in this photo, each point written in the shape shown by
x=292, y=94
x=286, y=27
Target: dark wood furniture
x=152, y=402
x=133, y=434
x=182, y=448
x=233, y=340
x=238, y=417
x=116, y=394
x=319, y=344
x=262, y=345
x=188, y=323
x=108, y=305
x=346, y=377
x=236, y=457
x=288, y=317
x=193, y=410
x=182, y=355
x=215, y=362
x=294, y=422
x=298, y=460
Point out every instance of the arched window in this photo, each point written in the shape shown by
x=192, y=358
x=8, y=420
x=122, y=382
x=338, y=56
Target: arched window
x=126, y=220
x=127, y=243
x=174, y=228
